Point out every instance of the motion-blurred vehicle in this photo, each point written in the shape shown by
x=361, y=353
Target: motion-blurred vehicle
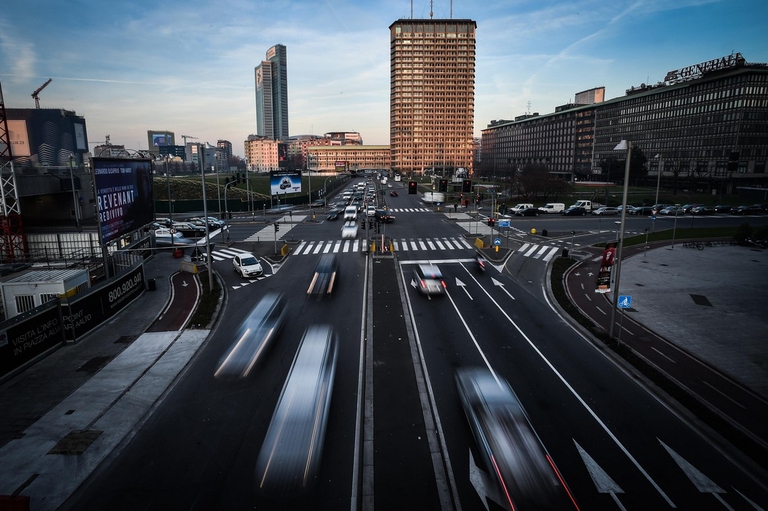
x=333, y=214
x=384, y=216
x=370, y=211
x=349, y=231
x=393, y=193
x=640, y=210
x=350, y=213
x=723, y=208
x=254, y=337
x=527, y=212
x=428, y=279
x=326, y=273
x=574, y=211
x=290, y=456
x=606, y=210
x=247, y=265
x=512, y=453
x=754, y=209
x=702, y=210
x=165, y=237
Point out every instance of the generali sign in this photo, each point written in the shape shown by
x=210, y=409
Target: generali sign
x=698, y=70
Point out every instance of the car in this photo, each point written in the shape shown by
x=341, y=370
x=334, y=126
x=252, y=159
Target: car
x=384, y=217
x=165, y=237
x=254, y=337
x=289, y=460
x=606, y=210
x=350, y=213
x=370, y=211
x=333, y=214
x=671, y=211
x=428, y=279
x=349, y=230
x=574, y=211
x=747, y=210
x=511, y=450
x=325, y=276
x=640, y=210
x=702, y=210
x=723, y=208
x=686, y=208
x=527, y=212
x=393, y=193
x=247, y=265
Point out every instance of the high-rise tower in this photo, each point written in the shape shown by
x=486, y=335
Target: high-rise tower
x=432, y=94
x=272, y=95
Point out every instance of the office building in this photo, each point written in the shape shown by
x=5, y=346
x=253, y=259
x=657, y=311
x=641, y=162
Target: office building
x=272, y=95
x=704, y=124
x=223, y=154
x=432, y=95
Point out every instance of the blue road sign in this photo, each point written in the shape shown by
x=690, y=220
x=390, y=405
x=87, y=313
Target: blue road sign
x=625, y=301
x=497, y=241
x=503, y=223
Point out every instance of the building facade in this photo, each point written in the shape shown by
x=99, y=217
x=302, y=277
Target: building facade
x=223, y=154
x=711, y=127
x=261, y=154
x=353, y=158
x=432, y=94
x=272, y=94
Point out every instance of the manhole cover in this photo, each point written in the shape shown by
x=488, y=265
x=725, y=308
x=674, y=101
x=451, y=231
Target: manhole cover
x=76, y=441
x=701, y=300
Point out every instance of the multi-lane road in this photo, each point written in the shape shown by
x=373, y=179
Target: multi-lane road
x=397, y=436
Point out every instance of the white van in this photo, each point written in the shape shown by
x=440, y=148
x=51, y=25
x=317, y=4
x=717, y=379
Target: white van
x=520, y=207
x=350, y=213
x=587, y=204
x=552, y=207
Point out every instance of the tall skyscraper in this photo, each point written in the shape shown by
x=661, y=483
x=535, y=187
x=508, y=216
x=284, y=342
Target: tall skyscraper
x=272, y=95
x=432, y=94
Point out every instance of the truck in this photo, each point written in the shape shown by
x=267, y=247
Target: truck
x=586, y=204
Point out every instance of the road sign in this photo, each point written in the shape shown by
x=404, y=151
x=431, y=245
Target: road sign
x=625, y=301
x=497, y=241
x=503, y=223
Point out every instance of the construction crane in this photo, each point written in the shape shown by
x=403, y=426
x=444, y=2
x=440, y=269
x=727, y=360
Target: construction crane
x=185, y=137
x=37, y=92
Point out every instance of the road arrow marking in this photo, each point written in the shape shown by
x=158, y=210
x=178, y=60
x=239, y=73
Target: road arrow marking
x=600, y=477
x=699, y=480
x=184, y=283
x=497, y=283
x=463, y=286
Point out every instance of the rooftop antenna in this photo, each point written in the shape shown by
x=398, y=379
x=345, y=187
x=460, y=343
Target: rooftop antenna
x=430, y=9
x=529, y=108
x=411, y=9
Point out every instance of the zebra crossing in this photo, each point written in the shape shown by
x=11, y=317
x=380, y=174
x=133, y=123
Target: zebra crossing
x=410, y=210
x=535, y=251
x=223, y=254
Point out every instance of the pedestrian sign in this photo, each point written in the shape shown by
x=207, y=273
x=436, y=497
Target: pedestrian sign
x=625, y=301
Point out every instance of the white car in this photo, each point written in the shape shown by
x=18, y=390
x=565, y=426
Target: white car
x=370, y=211
x=247, y=265
x=349, y=231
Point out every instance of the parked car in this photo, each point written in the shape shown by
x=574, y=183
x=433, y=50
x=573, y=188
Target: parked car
x=247, y=265
x=253, y=339
x=349, y=230
x=671, y=211
x=574, y=211
x=640, y=210
x=686, y=208
x=723, y=208
x=527, y=212
x=702, y=210
x=754, y=209
x=326, y=273
x=606, y=210
x=428, y=279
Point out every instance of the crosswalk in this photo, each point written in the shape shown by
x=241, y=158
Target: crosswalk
x=535, y=251
x=410, y=210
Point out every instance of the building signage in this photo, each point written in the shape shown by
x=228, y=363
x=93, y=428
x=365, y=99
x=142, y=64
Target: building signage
x=123, y=195
x=698, y=70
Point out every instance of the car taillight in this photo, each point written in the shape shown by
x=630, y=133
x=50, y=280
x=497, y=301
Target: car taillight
x=443, y=283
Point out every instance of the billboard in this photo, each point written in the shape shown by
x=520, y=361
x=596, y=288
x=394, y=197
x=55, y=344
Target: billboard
x=160, y=138
x=45, y=136
x=281, y=182
x=124, y=195
x=17, y=133
x=606, y=268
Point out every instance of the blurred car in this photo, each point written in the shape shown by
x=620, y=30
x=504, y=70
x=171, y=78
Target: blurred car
x=527, y=212
x=165, y=237
x=254, y=337
x=702, y=210
x=574, y=211
x=754, y=209
x=350, y=213
x=429, y=280
x=326, y=273
x=290, y=456
x=164, y=222
x=393, y=193
x=247, y=265
x=671, y=210
x=511, y=451
x=606, y=210
x=333, y=214
x=349, y=231
x=370, y=211
x=383, y=216
x=189, y=230
x=686, y=208
x=640, y=210
x=723, y=208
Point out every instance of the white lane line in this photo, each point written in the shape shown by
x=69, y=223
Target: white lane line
x=663, y=355
x=724, y=395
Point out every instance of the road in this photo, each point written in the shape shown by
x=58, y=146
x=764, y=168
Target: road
x=397, y=435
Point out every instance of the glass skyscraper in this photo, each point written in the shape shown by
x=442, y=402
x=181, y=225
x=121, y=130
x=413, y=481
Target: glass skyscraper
x=272, y=95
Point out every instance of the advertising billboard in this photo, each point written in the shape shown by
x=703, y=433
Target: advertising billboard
x=123, y=195
x=281, y=182
x=17, y=133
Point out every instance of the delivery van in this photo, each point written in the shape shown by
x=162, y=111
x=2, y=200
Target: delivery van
x=552, y=207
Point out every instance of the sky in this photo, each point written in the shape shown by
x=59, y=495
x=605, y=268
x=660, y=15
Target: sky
x=188, y=67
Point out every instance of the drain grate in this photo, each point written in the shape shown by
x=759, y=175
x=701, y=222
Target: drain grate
x=76, y=441
x=94, y=364
x=701, y=300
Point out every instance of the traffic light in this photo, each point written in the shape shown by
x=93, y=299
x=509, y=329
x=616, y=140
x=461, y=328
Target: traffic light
x=443, y=186
x=491, y=222
x=413, y=187
x=466, y=186
x=277, y=226
x=362, y=224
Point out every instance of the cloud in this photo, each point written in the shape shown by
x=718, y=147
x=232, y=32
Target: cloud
x=20, y=54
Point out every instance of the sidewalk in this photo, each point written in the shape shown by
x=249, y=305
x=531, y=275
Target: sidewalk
x=67, y=412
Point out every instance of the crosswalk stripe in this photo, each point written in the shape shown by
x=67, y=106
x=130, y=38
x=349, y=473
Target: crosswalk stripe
x=317, y=248
x=413, y=245
x=431, y=245
x=300, y=247
x=540, y=252
x=524, y=247
x=439, y=244
x=531, y=251
x=422, y=245
x=327, y=248
x=551, y=254
x=336, y=247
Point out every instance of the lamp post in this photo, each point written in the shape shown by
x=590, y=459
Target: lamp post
x=325, y=191
x=658, y=177
x=74, y=195
x=624, y=144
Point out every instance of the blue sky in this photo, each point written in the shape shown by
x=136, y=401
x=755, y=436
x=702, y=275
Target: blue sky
x=187, y=67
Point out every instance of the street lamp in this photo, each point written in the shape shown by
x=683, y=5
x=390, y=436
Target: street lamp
x=624, y=144
x=658, y=176
x=74, y=195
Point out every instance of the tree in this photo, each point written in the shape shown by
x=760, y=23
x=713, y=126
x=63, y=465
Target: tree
x=532, y=181
x=637, y=168
x=612, y=168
